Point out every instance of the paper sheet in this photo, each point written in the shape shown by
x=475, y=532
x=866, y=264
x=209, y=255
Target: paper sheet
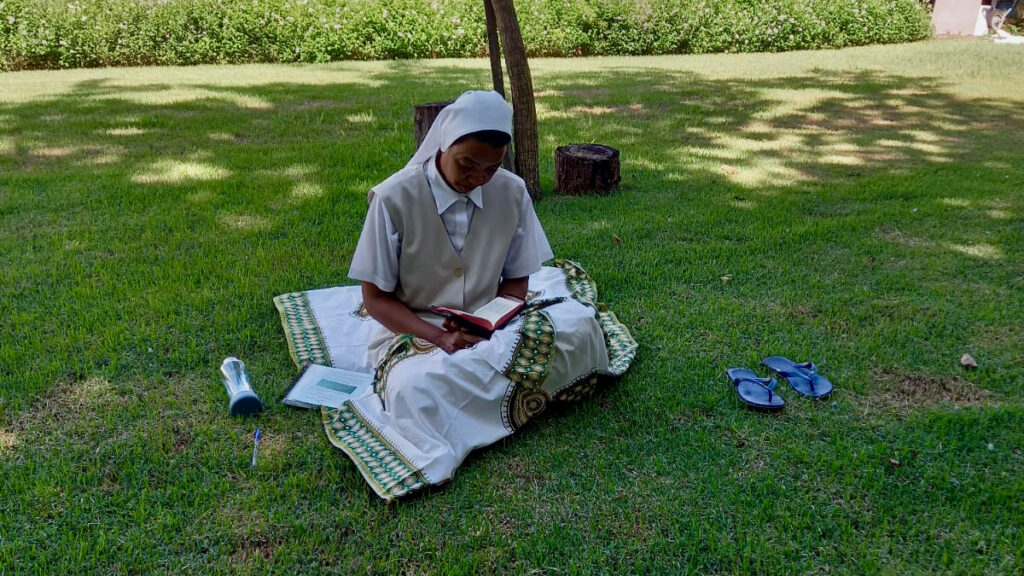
x=325, y=386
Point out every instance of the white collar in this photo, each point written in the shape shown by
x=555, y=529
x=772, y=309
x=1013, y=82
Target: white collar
x=444, y=196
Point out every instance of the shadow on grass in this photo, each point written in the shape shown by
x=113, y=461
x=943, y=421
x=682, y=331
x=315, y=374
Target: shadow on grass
x=780, y=132
x=130, y=213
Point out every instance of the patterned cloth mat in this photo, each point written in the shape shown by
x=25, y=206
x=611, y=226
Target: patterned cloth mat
x=331, y=327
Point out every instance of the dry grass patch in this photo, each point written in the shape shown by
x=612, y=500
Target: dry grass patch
x=92, y=411
x=69, y=401
x=8, y=441
x=895, y=236
x=903, y=392
x=255, y=546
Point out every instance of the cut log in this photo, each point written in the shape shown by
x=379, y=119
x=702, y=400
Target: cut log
x=583, y=169
x=424, y=115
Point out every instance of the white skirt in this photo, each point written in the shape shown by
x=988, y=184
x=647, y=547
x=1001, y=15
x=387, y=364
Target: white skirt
x=430, y=409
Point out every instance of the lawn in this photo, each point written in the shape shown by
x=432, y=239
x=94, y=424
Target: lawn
x=860, y=208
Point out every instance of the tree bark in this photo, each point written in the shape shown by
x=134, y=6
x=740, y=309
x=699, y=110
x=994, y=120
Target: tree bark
x=494, y=49
x=497, y=76
x=423, y=115
x=525, y=119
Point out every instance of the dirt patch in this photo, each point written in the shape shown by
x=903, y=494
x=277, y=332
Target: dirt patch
x=507, y=526
x=803, y=312
x=525, y=474
x=902, y=392
x=182, y=438
x=111, y=481
x=255, y=546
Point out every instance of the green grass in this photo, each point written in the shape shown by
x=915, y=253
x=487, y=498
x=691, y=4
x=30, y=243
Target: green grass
x=866, y=204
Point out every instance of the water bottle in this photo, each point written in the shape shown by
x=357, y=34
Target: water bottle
x=242, y=399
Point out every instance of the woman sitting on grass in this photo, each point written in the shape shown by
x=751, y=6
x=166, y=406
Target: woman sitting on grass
x=455, y=229
x=409, y=259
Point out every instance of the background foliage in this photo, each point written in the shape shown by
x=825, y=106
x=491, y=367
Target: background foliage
x=90, y=33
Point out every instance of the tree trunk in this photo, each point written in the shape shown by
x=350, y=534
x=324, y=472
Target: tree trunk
x=582, y=169
x=525, y=119
x=497, y=76
x=494, y=49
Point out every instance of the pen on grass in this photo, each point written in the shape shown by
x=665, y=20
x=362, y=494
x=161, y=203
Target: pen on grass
x=255, y=446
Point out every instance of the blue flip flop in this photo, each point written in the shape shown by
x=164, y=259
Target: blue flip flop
x=803, y=378
x=754, y=390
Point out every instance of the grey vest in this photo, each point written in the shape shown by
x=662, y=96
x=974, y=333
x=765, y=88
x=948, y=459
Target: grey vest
x=430, y=272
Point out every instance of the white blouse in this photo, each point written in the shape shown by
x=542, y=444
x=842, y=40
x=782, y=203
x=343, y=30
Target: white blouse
x=376, y=255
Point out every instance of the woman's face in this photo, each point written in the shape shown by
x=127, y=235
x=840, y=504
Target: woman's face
x=470, y=163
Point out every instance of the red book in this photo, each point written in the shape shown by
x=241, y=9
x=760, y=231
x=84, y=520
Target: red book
x=485, y=319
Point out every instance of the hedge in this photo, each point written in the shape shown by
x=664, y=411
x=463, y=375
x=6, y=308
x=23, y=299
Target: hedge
x=88, y=33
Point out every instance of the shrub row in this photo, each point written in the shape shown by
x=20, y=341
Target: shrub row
x=87, y=33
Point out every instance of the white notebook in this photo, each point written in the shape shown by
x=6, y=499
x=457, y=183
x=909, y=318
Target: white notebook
x=320, y=385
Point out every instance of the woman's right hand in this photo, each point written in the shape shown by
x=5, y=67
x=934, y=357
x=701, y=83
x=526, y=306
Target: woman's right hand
x=398, y=318
x=452, y=341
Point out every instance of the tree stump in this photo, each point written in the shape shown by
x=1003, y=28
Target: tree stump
x=424, y=115
x=582, y=169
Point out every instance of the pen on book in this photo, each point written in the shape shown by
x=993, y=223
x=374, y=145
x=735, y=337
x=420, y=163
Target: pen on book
x=255, y=446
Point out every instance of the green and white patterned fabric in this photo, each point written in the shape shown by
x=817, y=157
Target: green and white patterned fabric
x=429, y=409
x=305, y=341
x=379, y=463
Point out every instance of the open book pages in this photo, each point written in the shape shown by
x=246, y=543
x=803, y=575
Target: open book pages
x=485, y=319
x=326, y=386
x=496, y=309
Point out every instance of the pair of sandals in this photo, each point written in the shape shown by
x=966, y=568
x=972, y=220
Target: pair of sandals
x=760, y=393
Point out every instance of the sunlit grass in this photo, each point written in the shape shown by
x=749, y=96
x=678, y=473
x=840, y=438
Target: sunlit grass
x=164, y=95
x=126, y=131
x=981, y=250
x=245, y=222
x=174, y=172
x=306, y=190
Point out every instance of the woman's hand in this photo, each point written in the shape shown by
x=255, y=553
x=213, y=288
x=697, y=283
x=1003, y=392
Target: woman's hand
x=453, y=339
x=398, y=318
x=514, y=287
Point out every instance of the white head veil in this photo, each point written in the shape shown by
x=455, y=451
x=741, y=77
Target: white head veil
x=474, y=111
